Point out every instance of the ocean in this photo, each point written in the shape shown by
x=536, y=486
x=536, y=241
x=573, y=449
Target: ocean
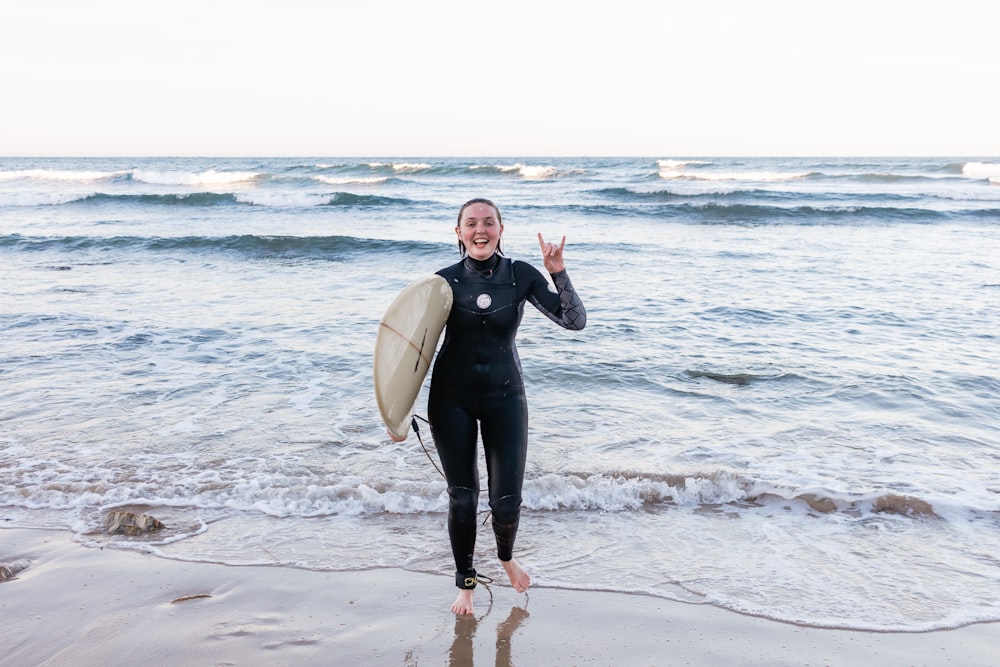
x=785, y=402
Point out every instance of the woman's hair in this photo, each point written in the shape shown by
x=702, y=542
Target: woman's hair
x=477, y=200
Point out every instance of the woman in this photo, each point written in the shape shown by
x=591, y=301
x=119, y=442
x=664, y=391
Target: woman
x=477, y=384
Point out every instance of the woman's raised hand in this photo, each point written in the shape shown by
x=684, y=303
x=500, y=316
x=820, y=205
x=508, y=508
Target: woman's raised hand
x=552, y=254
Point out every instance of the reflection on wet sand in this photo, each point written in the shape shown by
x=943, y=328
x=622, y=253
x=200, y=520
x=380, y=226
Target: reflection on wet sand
x=462, y=653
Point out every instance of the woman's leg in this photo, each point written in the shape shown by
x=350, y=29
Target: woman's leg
x=454, y=433
x=505, y=439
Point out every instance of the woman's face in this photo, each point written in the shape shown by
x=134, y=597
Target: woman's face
x=479, y=231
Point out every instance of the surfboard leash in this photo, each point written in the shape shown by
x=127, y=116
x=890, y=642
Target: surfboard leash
x=416, y=429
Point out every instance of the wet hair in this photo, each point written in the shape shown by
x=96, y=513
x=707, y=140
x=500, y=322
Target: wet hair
x=477, y=200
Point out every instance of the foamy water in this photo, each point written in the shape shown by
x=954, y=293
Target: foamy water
x=784, y=402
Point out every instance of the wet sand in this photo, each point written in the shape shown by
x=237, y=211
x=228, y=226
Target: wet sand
x=80, y=606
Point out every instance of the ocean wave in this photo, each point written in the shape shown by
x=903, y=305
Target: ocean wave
x=525, y=171
x=531, y=172
x=63, y=175
x=755, y=214
x=310, y=170
x=629, y=194
x=714, y=213
x=25, y=199
x=678, y=173
x=351, y=180
x=263, y=198
x=308, y=199
x=189, y=199
x=208, y=177
x=884, y=177
x=989, y=170
x=350, y=199
x=737, y=207
x=150, y=176
x=324, y=247
x=691, y=210
x=624, y=491
x=625, y=194
x=403, y=170
x=725, y=193
x=629, y=491
x=954, y=172
x=29, y=199
x=401, y=167
x=280, y=199
x=677, y=164
x=740, y=379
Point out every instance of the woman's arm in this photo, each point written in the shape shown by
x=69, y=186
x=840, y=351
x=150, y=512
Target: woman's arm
x=565, y=307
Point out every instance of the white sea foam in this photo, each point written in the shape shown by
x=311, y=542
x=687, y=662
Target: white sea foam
x=350, y=180
x=539, y=172
x=209, y=177
x=287, y=496
x=281, y=497
x=981, y=170
x=65, y=175
x=677, y=164
x=621, y=493
x=282, y=199
x=994, y=180
x=531, y=172
x=303, y=401
x=401, y=167
x=410, y=166
x=676, y=170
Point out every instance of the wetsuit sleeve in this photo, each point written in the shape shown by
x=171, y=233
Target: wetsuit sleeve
x=565, y=307
x=574, y=315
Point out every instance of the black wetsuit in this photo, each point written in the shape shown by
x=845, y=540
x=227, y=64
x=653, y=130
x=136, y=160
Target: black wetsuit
x=477, y=381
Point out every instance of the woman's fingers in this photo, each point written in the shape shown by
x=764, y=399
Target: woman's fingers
x=549, y=248
x=552, y=254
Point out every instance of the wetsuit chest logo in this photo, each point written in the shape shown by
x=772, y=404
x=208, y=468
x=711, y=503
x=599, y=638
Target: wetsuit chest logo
x=484, y=301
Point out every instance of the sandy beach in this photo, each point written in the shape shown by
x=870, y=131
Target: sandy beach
x=75, y=605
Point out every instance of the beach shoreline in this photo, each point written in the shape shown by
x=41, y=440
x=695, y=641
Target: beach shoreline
x=780, y=404
x=75, y=605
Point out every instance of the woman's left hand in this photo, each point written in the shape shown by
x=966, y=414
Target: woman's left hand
x=552, y=254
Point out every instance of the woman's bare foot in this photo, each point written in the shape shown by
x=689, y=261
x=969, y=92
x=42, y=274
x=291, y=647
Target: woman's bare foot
x=463, y=603
x=519, y=579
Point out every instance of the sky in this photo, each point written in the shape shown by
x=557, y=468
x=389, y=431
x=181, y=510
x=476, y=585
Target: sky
x=667, y=78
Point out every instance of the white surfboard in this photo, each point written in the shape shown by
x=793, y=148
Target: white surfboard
x=404, y=347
